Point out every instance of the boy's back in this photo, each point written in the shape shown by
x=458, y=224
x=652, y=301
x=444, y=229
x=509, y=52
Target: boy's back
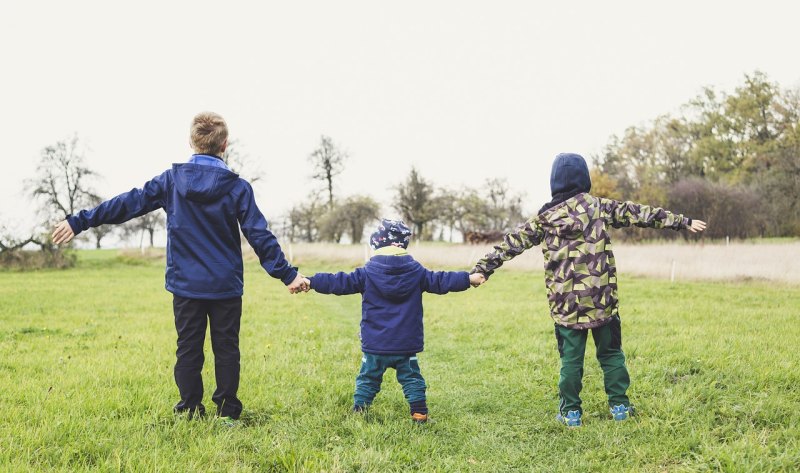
x=205, y=205
x=580, y=272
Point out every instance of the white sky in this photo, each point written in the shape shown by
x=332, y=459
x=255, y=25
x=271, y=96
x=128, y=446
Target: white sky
x=462, y=90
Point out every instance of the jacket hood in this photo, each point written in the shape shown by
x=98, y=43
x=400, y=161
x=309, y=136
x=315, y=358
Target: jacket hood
x=390, y=276
x=201, y=183
x=569, y=175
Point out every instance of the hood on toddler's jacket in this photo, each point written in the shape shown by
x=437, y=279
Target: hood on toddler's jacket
x=395, y=278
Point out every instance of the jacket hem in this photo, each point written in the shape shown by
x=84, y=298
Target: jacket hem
x=205, y=295
x=597, y=323
x=391, y=352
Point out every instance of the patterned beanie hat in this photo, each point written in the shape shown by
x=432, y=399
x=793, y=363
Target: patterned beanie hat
x=390, y=232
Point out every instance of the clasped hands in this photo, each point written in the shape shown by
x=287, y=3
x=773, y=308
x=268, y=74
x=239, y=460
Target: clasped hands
x=300, y=284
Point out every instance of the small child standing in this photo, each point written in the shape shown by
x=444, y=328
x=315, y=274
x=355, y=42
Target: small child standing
x=581, y=277
x=391, y=286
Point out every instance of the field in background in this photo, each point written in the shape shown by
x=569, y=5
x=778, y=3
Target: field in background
x=767, y=261
x=86, y=360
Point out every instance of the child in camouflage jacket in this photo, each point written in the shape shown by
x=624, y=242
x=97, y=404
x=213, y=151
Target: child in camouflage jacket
x=580, y=276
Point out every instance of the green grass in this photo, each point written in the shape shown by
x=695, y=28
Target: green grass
x=86, y=383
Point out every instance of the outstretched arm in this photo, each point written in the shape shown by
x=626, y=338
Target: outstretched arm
x=624, y=214
x=442, y=282
x=526, y=236
x=119, y=209
x=340, y=284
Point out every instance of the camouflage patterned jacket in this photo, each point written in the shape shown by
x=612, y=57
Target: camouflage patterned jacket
x=580, y=274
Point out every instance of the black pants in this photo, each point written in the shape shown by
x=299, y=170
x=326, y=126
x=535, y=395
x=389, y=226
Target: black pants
x=191, y=318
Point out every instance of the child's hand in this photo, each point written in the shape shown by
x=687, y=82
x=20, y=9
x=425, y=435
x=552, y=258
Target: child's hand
x=697, y=226
x=300, y=283
x=62, y=233
x=476, y=279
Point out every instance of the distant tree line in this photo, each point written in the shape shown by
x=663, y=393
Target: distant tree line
x=433, y=213
x=730, y=159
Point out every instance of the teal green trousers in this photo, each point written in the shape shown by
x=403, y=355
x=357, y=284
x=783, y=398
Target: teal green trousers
x=572, y=347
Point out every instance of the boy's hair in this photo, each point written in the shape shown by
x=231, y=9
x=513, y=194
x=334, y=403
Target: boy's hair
x=209, y=132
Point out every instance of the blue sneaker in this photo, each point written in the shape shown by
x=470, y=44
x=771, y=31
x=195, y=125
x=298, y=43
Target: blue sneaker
x=621, y=412
x=572, y=419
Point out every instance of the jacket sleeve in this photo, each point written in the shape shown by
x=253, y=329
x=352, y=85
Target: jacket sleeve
x=526, y=236
x=442, y=282
x=624, y=214
x=339, y=284
x=124, y=207
x=256, y=231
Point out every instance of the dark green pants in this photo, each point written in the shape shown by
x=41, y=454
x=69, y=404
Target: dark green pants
x=571, y=348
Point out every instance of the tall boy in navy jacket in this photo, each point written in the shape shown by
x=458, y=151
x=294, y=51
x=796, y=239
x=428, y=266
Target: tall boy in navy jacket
x=206, y=204
x=391, y=286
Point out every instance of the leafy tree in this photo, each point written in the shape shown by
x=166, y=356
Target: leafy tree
x=746, y=141
x=414, y=201
x=448, y=211
x=356, y=211
x=603, y=185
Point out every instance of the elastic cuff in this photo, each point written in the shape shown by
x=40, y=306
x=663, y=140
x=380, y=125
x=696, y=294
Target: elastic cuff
x=290, y=276
x=73, y=224
x=419, y=407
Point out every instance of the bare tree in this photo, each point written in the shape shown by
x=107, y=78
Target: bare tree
x=504, y=205
x=304, y=221
x=148, y=224
x=63, y=182
x=328, y=161
x=241, y=163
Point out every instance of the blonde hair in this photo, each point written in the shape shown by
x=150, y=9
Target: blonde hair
x=209, y=132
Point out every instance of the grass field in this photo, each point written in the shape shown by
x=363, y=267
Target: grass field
x=86, y=384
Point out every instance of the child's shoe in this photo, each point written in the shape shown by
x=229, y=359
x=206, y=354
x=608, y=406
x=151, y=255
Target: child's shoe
x=228, y=421
x=419, y=418
x=572, y=419
x=359, y=409
x=621, y=412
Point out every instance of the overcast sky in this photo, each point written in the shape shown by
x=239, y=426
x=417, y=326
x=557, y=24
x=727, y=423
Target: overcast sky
x=463, y=90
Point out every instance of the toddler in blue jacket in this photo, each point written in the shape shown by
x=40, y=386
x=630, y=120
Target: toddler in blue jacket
x=391, y=286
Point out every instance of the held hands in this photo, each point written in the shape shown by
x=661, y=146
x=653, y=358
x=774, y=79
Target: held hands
x=697, y=226
x=62, y=233
x=476, y=279
x=300, y=284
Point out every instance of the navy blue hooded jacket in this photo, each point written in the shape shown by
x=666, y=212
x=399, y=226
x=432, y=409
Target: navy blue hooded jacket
x=205, y=207
x=391, y=290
